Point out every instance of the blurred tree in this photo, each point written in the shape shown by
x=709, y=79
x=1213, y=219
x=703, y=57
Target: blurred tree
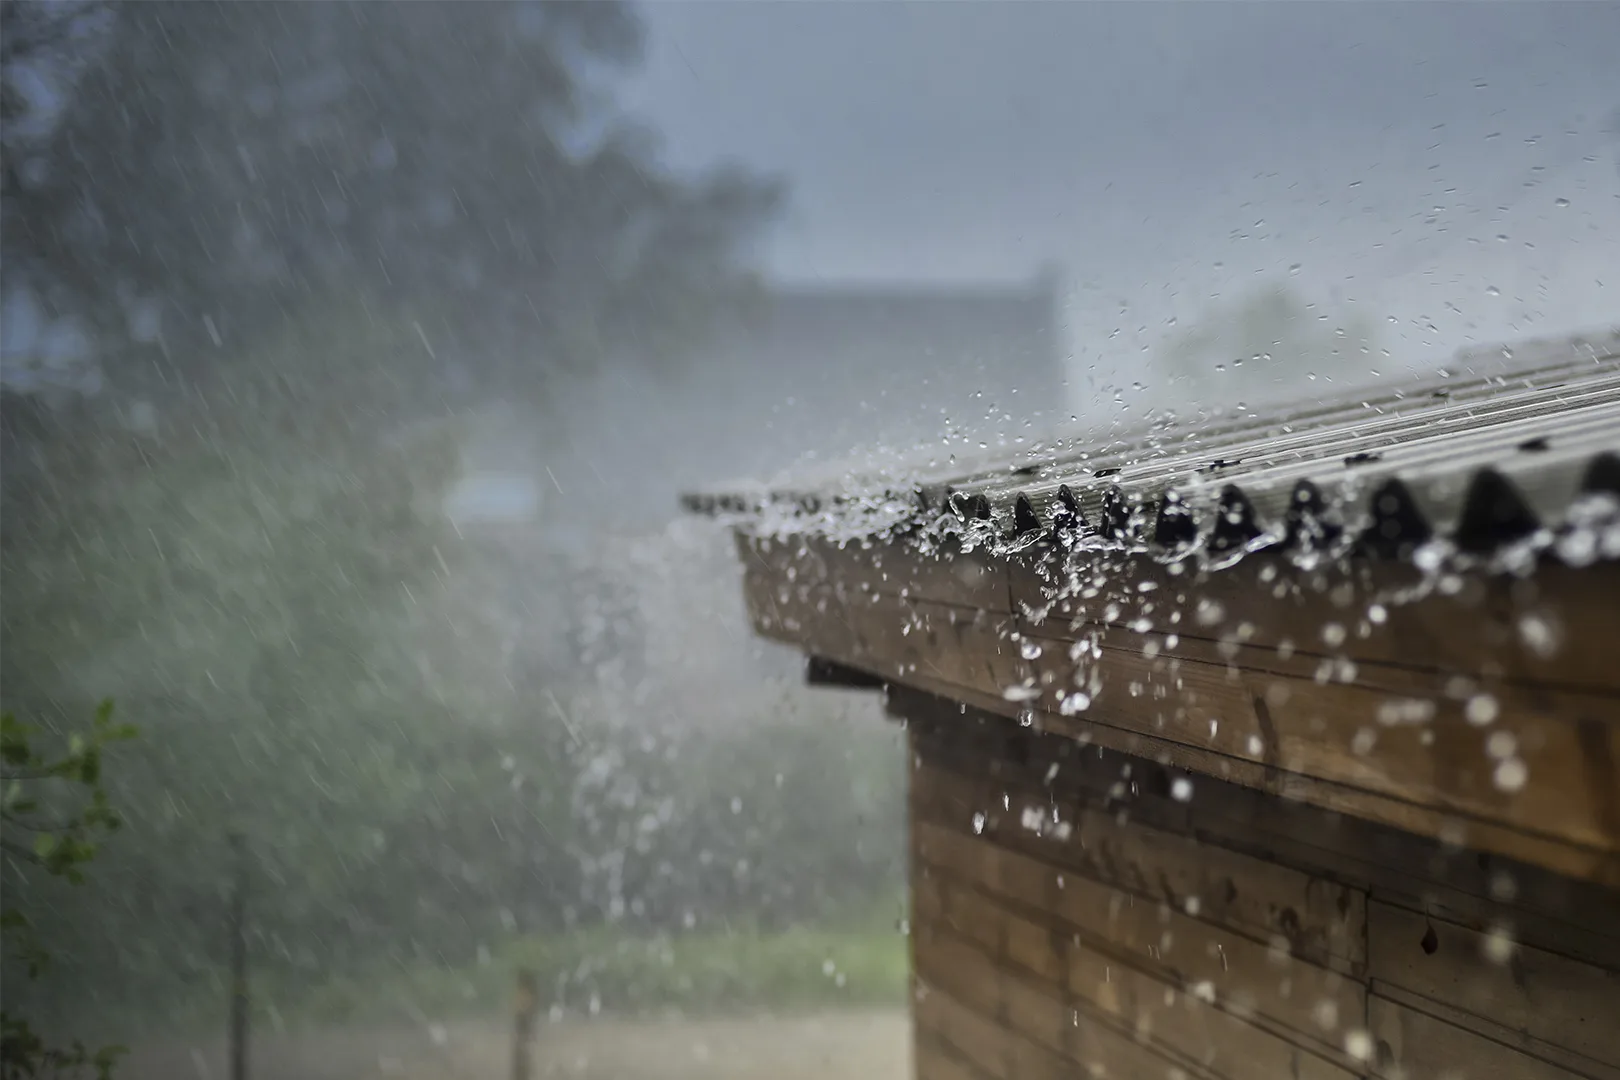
x=223, y=163
x=284, y=224
x=266, y=587
x=53, y=833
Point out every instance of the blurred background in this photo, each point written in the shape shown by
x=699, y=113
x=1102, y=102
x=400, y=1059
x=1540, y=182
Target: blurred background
x=354, y=356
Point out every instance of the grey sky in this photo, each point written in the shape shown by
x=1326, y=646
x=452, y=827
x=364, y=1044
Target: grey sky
x=1406, y=162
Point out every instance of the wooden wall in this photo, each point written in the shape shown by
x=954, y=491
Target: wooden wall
x=1078, y=912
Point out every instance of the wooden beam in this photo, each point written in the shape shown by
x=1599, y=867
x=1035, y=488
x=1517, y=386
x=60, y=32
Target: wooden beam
x=1480, y=711
x=819, y=671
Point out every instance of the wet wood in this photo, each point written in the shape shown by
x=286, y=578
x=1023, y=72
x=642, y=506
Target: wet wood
x=1527, y=767
x=1556, y=999
x=1190, y=954
x=1323, y=920
x=1526, y=770
x=1553, y=628
x=1051, y=898
x=1213, y=1039
x=932, y=1059
x=973, y=1037
x=979, y=758
x=1411, y=1045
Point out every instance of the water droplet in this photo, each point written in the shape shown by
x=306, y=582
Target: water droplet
x=1560, y=203
x=1181, y=789
x=1021, y=692
x=1540, y=634
x=1492, y=290
x=1498, y=945
x=1511, y=775
x=1359, y=1044
x=978, y=822
x=1029, y=650
x=1077, y=702
x=1481, y=710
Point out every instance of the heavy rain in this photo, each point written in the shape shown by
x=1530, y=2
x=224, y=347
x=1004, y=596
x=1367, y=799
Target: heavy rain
x=811, y=540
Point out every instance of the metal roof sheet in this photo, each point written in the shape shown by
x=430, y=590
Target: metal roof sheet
x=1527, y=453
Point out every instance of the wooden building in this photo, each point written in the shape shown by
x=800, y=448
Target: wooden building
x=1280, y=748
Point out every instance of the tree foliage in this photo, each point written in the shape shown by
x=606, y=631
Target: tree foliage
x=55, y=811
x=223, y=163
x=301, y=237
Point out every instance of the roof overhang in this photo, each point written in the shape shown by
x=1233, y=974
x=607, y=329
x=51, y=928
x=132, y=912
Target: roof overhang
x=1431, y=647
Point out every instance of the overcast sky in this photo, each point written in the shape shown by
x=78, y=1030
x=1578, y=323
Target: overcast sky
x=1443, y=168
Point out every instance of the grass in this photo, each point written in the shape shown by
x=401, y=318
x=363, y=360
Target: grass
x=695, y=973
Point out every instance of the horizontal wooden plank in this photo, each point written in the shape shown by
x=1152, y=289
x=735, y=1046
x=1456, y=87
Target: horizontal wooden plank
x=1220, y=1042
x=976, y=1038
x=1550, y=628
x=934, y=1060
x=1406, y=1044
x=1549, y=910
x=1103, y=1049
x=1496, y=789
x=1087, y=1045
x=1322, y=920
x=1181, y=1027
x=992, y=1046
x=1042, y=1038
x=1222, y=965
x=970, y=579
x=1557, y=999
x=1451, y=829
x=1548, y=770
x=1038, y=1008
x=1457, y=832
x=960, y=966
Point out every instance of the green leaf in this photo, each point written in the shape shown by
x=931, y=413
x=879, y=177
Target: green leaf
x=17, y=804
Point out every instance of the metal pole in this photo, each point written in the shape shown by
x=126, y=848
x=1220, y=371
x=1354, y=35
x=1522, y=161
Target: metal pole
x=525, y=1008
x=239, y=974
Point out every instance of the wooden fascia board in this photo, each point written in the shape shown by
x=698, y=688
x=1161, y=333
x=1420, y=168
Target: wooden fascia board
x=1482, y=712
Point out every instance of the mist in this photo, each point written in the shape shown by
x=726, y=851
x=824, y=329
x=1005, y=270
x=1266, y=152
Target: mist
x=354, y=359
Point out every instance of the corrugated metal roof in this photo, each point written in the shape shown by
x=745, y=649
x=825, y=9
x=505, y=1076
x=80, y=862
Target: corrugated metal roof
x=1529, y=452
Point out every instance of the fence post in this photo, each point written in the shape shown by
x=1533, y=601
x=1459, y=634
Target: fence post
x=239, y=985
x=525, y=1007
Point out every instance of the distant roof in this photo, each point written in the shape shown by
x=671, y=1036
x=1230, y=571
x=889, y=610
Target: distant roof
x=1517, y=443
x=890, y=359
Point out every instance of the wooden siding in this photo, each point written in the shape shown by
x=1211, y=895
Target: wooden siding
x=1076, y=915
x=1483, y=712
